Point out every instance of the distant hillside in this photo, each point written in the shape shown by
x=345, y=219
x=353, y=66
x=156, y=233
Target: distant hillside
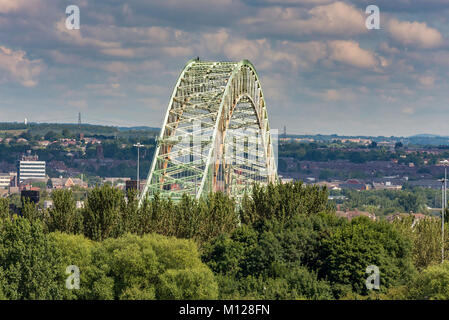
x=419, y=139
x=429, y=139
x=112, y=131
x=145, y=128
x=426, y=135
x=41, y=129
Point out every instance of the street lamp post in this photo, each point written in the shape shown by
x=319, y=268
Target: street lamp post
x=138, y=145
x=444, y=204
x=442, y=219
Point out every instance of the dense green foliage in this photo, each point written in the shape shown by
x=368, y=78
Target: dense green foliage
x=329, y=151
x=350, y=250
x=116, y=144
x=283, y=242
x=33, y=266
x=384, y=202
x=291, y=235
x=28, y=262
x=107, y=213
x=133, y=267
x=63, y=215
x=432, y=283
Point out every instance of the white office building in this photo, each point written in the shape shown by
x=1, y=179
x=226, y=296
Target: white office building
x=5, y=180
x=29, y=168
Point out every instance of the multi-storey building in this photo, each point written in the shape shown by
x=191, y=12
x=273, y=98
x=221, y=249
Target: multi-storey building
x=5, y=180
x=30, y=168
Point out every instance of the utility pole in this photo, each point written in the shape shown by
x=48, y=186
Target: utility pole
x=442, y=220
x=138, y=145
x=443, y=206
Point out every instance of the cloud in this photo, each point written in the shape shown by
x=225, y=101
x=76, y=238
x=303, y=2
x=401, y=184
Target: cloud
x=350, y=53
x=427, y=81
x=105, y=89
x=408, y=110
x=119, y=52
x=76, y=38
x=337, y=18
x=384, y=47
x=414, y=34
x=333, y=95
x=313, y=57
x=17, y=68
x=178, y=51
x=79, y=104
x=290, y=2
x=10, y=5
x=7, y=6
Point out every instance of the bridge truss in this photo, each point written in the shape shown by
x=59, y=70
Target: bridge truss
x=215, y=135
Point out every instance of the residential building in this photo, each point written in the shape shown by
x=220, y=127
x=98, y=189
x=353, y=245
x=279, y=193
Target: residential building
x=5, y=180
x=48, y=204
x=354, y=184
x=386, y=186
x=116, y=180
x=348, y=214
x=63, y=183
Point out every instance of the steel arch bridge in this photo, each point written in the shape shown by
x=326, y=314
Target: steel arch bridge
x=215, y=135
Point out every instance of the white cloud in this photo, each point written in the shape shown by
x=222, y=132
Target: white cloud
x=337, y=18
x=80, y=104
x=408, y=110
x=333, y=95
x=427, y=81
x=15, y=67
x=414, y=34
x=7, y=6
x=384, y=47
x=119, y=52
x=350, y=53
x=75, y=37
x=293, y=2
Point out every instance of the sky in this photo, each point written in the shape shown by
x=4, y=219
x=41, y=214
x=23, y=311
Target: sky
x=321, y=69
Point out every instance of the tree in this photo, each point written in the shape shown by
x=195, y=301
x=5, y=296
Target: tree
x=201, y=220
x=349, y=250
x=276, y=255
x=217, y=215
x=26, y=135
x=51, y=136
x=4, y=208
x=283, y=201
x=66, y=133
x=426, y=237
x=102, y=213
x=155, y=267
x=64, y=216
x=131, y=215
x=28, y=262
x=77, y=250
x=431, y=284
x=30, y=211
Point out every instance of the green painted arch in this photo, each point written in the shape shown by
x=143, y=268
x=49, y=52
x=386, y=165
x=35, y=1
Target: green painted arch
x=190, y=149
